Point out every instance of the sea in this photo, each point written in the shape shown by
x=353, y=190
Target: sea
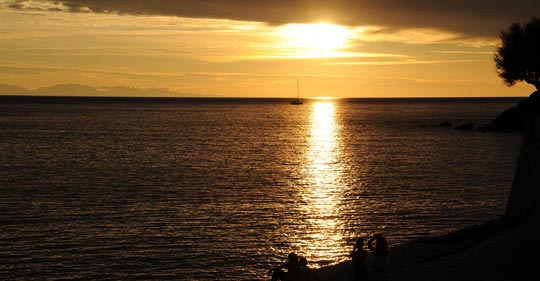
x=224, y=189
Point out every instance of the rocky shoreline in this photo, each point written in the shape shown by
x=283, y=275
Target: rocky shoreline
x=498, y=250
x=509, y=121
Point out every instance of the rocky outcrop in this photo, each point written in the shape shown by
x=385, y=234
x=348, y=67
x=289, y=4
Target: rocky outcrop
x=466, y=126
x=511, y=120
x=445, y=124
x=496, y=250
x=495, y=254
x=524, y=201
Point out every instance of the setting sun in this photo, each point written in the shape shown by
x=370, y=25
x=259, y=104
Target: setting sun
x=316, y=38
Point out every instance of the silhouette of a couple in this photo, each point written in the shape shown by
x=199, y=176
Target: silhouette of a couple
x=371, y=266
x=296, y=270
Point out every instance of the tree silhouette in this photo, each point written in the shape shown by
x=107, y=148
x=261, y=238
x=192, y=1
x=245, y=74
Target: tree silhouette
x=518, y=56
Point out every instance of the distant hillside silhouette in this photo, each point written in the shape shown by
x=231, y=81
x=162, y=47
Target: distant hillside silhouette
x=85, y=90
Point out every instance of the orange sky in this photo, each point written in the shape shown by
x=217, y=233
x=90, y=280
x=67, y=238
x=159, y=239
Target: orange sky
x=50, y=48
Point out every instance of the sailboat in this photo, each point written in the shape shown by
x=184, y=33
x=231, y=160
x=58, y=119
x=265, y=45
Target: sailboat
x=297, y=101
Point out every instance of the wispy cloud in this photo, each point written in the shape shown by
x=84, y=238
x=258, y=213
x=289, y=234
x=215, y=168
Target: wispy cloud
x=420, y=36
x=465, y=52
x=403, y=62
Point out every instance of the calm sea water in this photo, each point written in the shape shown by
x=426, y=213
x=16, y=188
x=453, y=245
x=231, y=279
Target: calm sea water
x=223, y=189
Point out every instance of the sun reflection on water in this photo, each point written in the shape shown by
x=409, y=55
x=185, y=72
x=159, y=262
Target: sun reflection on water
x=323, y=185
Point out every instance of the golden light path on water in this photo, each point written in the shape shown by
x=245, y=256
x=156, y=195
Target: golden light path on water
x=323, y=186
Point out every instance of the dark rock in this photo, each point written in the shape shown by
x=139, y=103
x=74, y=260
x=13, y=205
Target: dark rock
x=466, y=126
x=511, y=120
x=445, y=124
x=530, y=105
x=487, y=127
x=524, y=201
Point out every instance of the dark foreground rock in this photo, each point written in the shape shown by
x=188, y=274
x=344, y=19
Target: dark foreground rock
x=445, y=124
x=498, y=250
x=495, y=253
x=466, y=126
x=511, y=120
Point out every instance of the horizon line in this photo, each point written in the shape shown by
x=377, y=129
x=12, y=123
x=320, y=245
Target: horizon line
x=2, y=96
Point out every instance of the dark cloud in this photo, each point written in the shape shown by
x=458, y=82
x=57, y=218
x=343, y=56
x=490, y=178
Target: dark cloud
x=470, y=17
x=16, y=4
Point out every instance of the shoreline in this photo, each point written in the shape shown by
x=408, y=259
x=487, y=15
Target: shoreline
x=445, y=257
x=496, y=250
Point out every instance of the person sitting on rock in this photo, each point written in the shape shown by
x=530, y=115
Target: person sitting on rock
x=293, y=268
x=378, y=257
x=358, y=256
x=305, y=274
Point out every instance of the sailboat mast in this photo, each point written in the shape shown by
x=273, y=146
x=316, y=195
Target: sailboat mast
x=297, y=88
x=297, y=100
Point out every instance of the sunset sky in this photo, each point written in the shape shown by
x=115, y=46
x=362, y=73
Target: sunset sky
x=240, y=48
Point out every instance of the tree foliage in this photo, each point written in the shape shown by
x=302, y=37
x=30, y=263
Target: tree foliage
x=518, y=56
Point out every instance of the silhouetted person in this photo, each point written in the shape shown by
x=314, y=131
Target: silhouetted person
x=293, y=268
x=358, y=256
x=378, y=258
x=306, y=274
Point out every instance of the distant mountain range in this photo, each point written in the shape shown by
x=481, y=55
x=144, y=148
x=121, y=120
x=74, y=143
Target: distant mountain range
x=85, y=90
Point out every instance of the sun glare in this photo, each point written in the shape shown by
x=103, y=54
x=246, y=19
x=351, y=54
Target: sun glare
x=316, y=38
x=324, y=185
